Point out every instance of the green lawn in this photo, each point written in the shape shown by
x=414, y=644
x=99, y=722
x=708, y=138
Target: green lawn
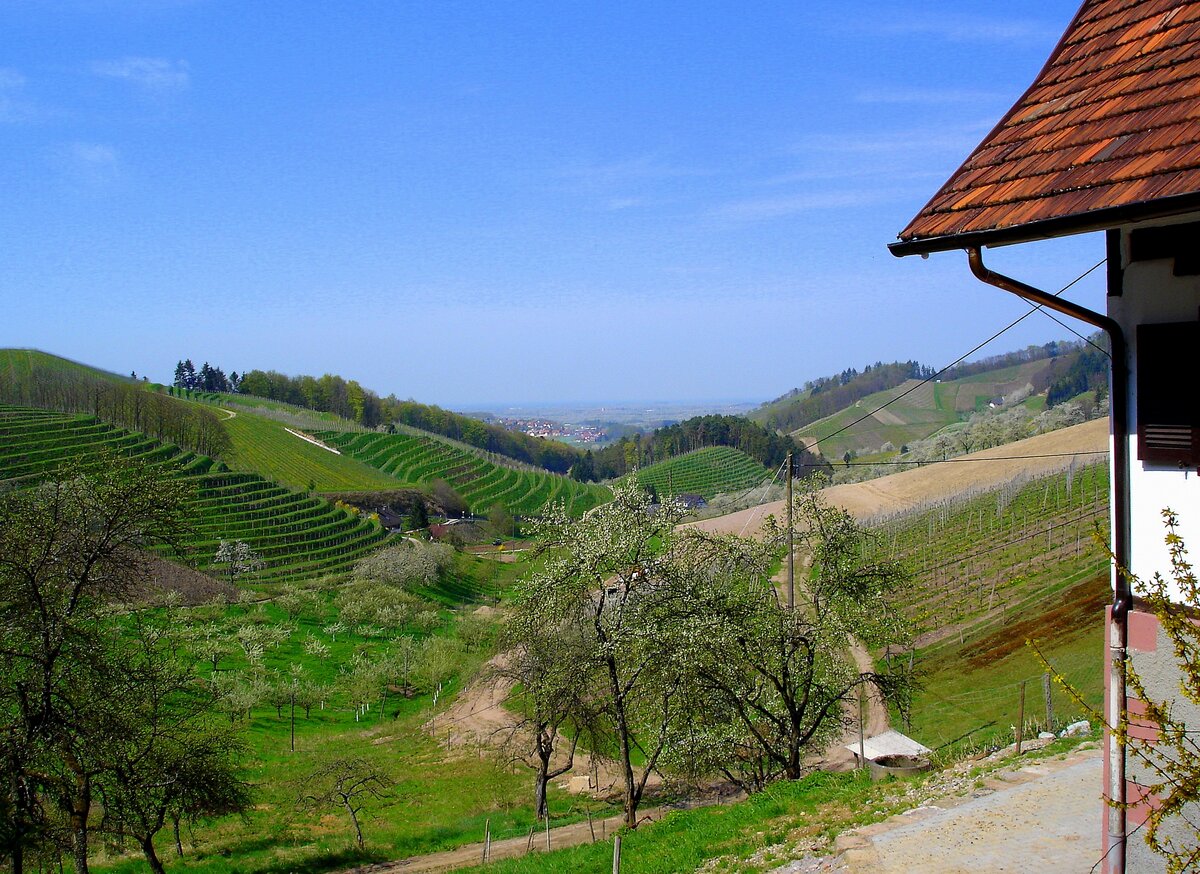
x=266, y=447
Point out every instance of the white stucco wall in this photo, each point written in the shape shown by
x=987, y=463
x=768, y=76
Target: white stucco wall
x=1152, y=295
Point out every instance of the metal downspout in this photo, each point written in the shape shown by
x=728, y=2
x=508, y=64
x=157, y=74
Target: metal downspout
x=1122, y=596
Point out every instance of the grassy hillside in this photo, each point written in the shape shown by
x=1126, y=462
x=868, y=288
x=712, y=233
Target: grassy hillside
x=355, y=697
x=993, y=570
x=710, y=471
x=419, y=459
x=299, y=536
x=914, y=411
x=22, y=364
x=266, y=446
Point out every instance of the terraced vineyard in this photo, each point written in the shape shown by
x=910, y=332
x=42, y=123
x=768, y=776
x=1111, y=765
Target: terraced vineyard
x=418, y=460
x=981, y=557
x=709, y=471
x=298, y=536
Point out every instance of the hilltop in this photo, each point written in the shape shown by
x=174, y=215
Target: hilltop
x=886, y=407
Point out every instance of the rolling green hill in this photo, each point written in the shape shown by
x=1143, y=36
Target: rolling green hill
x=299, y=536
x=418, y=459
x=22, y=364
x=917, y=410
x=267, y=447
x=710, y=471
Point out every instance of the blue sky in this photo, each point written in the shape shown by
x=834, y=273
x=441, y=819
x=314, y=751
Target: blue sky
x=502, y=201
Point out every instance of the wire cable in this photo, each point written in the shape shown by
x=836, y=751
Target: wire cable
x=1034, y=308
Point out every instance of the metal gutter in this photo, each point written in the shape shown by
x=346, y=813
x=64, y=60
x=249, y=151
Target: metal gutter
x=1094, y=220
x=1122, y=595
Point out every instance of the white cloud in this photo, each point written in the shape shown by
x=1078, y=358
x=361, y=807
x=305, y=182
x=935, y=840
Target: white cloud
x=153, y=75
x=766, y=208
x=12, y=110
x=931, y=96
x=968, y=28
x=90, y=167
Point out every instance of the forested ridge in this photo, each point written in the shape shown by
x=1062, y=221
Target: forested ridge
x=1073, y=367
x=642, y=450
x=825, y=396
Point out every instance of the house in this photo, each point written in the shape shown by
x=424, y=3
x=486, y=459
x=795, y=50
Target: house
x=1107, y=138
x=390, y=520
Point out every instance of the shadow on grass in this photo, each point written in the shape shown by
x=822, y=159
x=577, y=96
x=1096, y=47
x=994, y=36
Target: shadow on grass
x=325, y=860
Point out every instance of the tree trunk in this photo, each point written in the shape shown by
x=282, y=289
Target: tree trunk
x=539, y=793
x=178, y=842
x=622, y=726
x=357, y=828
x=151, y=857
x=79, y=844
x=79, y=810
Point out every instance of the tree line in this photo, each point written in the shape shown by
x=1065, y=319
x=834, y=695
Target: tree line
x=208, y=378
x=350, y=400
x=636, y=451
x=127, y=405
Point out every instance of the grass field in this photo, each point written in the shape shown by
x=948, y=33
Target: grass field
x=436, y=801
x=21, y=364
x=418, y=459
x=265, y=447
x=709, y=471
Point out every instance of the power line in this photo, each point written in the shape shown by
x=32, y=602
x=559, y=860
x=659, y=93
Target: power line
x=1038, y=533
x=1034, y=308
x=960, y=460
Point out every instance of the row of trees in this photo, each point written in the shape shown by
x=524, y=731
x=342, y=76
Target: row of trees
x=672, y=649
x=127, y=405
x=102, y=727
x=346, y=398
x=208, y=378
x=326, y=394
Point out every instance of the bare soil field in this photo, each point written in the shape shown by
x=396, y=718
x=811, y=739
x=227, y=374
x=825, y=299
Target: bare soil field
x=1036, y=456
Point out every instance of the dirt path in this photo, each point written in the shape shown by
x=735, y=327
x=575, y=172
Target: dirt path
x=472, y=854
x=912, y=488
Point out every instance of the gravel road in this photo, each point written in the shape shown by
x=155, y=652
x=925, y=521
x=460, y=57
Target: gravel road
x=1044, y=816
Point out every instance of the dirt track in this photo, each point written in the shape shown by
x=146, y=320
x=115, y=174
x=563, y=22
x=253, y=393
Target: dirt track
x=979, y=470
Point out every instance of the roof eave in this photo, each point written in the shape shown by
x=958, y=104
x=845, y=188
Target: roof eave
x=1060, y=226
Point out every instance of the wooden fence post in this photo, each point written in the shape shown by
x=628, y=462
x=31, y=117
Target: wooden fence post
x=616, y=869
x=1049, y=701
x=1021, y=718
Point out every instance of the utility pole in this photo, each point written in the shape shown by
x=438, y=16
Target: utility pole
x=791, y=564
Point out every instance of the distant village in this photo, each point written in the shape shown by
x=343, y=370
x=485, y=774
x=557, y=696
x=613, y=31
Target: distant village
x=555, y=430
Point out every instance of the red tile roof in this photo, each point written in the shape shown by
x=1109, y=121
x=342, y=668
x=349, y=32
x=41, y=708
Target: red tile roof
x=1109, y=130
